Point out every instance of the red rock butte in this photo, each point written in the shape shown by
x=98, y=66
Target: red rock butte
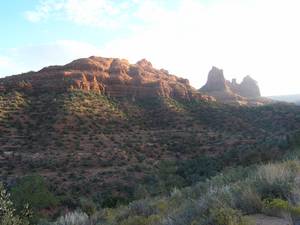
x=245, y=93
x=110, y=76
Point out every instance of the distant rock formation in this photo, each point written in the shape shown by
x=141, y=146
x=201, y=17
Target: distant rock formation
x=245, y=93
x=216, y=81
x=110, y=76
x=249, y=88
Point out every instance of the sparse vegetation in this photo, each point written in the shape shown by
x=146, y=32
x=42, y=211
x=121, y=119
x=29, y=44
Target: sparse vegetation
x=32, y=190
x=8, y=214
x=224, y=199
x=93, y=151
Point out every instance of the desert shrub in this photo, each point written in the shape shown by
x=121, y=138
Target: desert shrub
x=88, y=206
x=73, y=218
x=280, y=207
x=33, y=190
x=221, y=200
x=275, y=207
x=228, y=216
x=199, y=168
x=69, y=201
x=139, y=209
x=245, y=198
x=111, y=201
x=142, y=208
x=295, y=139
x=8, y=215
x=275, y=180
x=231, y=175
x=141, y=220
x=188, y=212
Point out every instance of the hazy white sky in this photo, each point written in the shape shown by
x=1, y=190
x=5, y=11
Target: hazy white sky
x=260, y=38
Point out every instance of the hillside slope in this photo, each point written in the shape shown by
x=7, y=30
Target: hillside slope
x=89, y=143
x=264, y=194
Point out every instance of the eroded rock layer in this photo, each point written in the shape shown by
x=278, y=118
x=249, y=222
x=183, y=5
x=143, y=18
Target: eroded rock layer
x=111, y=76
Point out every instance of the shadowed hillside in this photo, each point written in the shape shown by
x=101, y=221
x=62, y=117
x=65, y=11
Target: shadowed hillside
x=89, y=143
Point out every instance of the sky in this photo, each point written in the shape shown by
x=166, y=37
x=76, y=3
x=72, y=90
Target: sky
x=260, y=38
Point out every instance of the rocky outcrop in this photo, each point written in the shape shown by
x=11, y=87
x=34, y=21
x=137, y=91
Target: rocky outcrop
x=245, y=93
x=249, y=88
x=215, y=81
x=110, y=76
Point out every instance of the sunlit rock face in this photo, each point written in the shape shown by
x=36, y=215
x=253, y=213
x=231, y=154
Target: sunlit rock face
x=110, y=76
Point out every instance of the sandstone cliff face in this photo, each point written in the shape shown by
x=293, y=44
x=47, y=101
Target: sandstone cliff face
x=110, y=76
x=245, y=93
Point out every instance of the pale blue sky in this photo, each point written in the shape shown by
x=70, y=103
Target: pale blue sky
x=187, y=37
x=19, y=30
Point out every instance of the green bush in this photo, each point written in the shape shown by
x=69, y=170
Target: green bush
x=221, y=200
x=32, y=190
x=140, y=220
x=246, y=198
x=275, y=180
x=73, y=218
x=88, y=206
x=228, y=216
x=8, y=215
x=279, y=207
x=275, y=207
